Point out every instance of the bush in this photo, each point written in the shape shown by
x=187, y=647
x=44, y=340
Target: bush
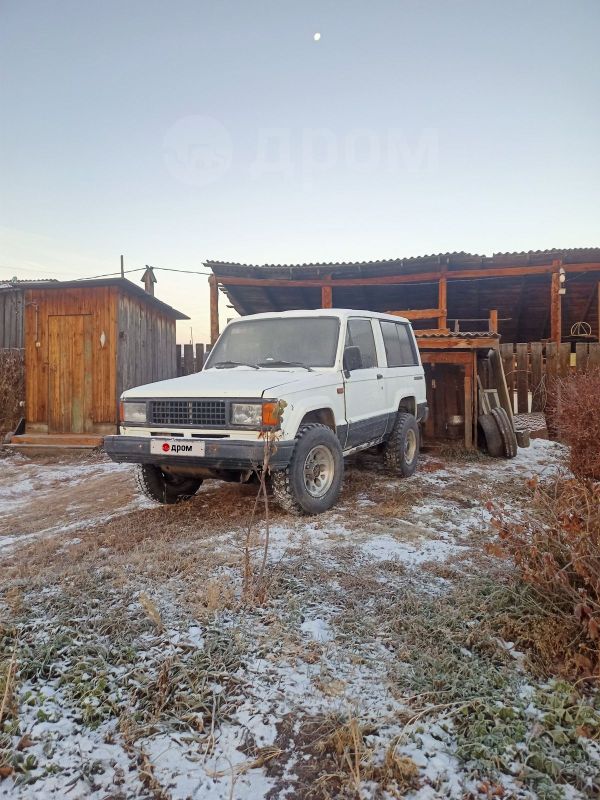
x=557, y=552
x=575, y=417
x=12, y=388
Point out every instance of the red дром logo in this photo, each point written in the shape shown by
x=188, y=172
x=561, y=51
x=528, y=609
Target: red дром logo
x=166, y=447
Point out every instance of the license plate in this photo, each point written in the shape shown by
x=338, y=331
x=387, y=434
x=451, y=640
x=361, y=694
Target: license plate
x=177, y=447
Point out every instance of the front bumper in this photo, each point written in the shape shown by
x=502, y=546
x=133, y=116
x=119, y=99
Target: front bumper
x=220, y=454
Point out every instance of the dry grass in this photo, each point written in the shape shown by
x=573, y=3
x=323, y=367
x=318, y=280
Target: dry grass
x=556, y=550
x=575, y=417
x=12, y=389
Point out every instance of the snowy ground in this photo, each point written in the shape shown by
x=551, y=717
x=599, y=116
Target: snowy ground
x=367, y=670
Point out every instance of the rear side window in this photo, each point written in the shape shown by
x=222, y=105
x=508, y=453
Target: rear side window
x=360, y=334
x=399, y=345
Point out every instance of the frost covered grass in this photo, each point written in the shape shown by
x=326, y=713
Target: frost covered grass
x=379, y=665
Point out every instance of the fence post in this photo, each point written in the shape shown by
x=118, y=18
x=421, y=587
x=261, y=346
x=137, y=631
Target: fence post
x=537, y=383
x=522, y=375
x=188, y=359
x=199, y=356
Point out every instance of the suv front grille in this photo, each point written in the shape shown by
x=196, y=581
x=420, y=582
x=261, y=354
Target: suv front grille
x=198, y=413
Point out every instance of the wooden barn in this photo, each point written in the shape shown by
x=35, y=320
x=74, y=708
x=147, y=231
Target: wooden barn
x=462, y=306
x=85, y=342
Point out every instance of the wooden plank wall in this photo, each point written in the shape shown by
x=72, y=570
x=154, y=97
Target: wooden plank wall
x=12, y=319
x=529, y=367
x=146, y=351
x=190, y=358
x=101, y=304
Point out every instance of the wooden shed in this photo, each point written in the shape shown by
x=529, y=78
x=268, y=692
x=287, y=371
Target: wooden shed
x=86, y=342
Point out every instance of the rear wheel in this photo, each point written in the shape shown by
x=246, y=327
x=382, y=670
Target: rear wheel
x=401, y=451
x=313, y=479
x=163, y=487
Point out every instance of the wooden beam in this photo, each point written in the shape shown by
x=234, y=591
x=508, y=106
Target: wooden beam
x=442, y=302
x=214, y=309
x=417, y=313
x=555, y=309
x=494, y=320
x=327, y=295
x=451, y=343
x=468, y=406
x=413, y=277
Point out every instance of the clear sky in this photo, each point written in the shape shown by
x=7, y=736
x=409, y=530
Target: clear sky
x=174, y=132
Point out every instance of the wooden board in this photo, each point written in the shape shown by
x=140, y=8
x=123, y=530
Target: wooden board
x=522, y=378
x=70, y=374
x=537, y=384
x=501, y=379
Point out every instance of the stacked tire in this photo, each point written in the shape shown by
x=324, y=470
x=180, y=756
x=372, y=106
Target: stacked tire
x=498, y=434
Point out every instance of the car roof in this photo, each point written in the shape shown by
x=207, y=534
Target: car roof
x=340, y=313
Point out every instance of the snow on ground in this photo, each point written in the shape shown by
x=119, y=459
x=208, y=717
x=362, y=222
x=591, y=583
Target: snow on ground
x=142, y=675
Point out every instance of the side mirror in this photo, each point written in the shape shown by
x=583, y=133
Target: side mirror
x=352, y=359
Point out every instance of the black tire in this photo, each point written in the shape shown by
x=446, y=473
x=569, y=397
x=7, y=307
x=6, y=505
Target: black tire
x=163, y=487
x=401, y=450
x=492, y=437
x=507, y=432
x=292, y=487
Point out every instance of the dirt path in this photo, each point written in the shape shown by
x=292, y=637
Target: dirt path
x=51, y=495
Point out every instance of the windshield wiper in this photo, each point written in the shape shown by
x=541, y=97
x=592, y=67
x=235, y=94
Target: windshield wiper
x=277, y=363
x=231, y=364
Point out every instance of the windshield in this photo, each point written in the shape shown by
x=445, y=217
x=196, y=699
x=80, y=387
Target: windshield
x=307, y=341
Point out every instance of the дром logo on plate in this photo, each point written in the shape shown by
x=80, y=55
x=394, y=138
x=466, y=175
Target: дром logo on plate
x=166, y=447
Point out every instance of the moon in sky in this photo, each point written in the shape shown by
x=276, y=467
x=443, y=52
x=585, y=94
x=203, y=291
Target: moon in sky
x=316, y=37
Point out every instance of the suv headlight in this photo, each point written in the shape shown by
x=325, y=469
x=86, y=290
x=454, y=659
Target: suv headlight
x=246, y=414
x=133, y=411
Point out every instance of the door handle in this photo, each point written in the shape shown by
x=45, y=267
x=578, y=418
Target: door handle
x=379, y=376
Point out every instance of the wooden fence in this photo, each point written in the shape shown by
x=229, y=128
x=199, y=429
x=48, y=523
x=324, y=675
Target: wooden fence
x=190, y=358
x=530, y=368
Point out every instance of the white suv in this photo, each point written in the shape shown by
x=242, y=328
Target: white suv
x=324, y=383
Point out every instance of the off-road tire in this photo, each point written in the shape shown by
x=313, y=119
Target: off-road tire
x=288, y=484
x=395, y=457
x=164, y=488
x=507, y=432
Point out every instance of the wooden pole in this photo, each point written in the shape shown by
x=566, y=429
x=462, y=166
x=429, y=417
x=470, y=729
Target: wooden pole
x=326, y=296
x=494, y=320
x=214, y=309
x=442, y=303
x=122, y=267
x=555, y=309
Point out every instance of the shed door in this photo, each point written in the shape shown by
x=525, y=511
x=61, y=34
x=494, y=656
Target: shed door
x=70, y=374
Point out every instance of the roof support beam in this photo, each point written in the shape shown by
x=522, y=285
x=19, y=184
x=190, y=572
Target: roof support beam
x=417, y=277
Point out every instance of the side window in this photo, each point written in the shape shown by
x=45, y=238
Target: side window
x=360, y=334
x=399, y=348
x=393, y=350
x=409, y=356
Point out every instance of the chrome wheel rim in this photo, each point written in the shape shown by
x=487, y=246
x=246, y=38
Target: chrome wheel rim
x=318, y=471
x=410, y=447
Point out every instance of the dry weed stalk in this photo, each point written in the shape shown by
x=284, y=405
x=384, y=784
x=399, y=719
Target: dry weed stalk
x=255, y=586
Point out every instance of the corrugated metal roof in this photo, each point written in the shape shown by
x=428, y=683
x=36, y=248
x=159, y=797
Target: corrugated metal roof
x=457, y=260
x=460, y=335
x=121, y=283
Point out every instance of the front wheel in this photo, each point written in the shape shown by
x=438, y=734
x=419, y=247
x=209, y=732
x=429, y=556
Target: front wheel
x=312, y=482
x=163, y=487
x=401, y=451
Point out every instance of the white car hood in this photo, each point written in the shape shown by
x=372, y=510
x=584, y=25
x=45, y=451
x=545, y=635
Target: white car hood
x=237, y=382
